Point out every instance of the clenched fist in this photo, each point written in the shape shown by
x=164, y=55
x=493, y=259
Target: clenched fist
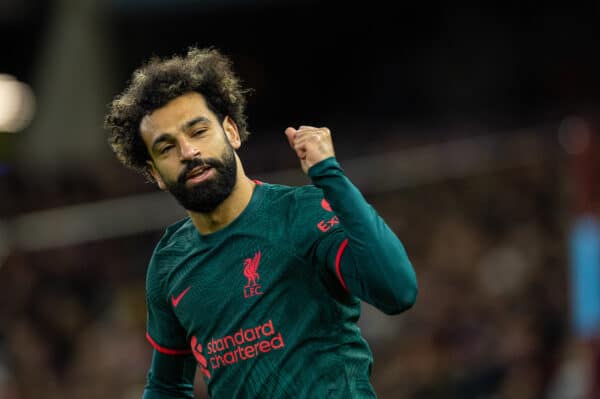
x=312, y=144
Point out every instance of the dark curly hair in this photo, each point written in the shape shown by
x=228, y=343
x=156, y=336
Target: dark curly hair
x=159, y=81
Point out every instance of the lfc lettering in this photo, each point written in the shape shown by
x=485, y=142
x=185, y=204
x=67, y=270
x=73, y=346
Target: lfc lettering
x=252, y=291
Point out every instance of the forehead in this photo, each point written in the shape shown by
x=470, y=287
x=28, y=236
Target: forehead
x=171, y=116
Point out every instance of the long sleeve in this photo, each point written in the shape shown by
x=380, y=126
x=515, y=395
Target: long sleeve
x=173, y=367
x=368, y=257
x=170, y=377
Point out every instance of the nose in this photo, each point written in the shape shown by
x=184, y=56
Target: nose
x=187, y=150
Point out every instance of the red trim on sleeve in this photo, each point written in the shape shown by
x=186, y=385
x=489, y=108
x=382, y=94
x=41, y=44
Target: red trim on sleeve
x=338, y=263
x=260, y=183
x=167, y=351
x=205, y=371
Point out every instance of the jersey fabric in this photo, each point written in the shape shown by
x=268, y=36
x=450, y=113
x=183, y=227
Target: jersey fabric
x=264, y=305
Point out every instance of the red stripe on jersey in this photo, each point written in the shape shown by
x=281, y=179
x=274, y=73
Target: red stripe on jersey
x=258, y=182
x=338, y=263
x=205, y=371
x=167, y=351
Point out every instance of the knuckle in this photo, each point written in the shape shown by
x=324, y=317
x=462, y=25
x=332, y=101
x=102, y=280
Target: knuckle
x=315, y=137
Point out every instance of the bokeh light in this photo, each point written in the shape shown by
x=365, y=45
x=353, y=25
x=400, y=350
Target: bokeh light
x=17, y=104
x=574, y=134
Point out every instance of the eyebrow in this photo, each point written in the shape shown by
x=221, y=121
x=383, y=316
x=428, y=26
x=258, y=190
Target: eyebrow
x=193, y=121
x=186, y=125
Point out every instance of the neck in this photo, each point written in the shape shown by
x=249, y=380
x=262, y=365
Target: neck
x=228, y=210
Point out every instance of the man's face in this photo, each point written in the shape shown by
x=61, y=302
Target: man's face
x=192, y=153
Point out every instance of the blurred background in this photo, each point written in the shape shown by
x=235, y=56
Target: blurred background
x=472, y=128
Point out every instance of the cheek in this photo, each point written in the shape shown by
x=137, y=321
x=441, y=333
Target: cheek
x=166, y=173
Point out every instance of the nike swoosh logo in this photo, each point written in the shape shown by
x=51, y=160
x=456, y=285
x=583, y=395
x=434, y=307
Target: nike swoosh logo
x=175, y=300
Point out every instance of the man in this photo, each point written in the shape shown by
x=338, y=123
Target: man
x=260, y=286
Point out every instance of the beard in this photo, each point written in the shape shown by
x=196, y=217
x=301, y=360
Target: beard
x=206, y=196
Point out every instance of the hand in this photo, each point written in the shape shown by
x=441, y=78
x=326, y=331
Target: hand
x=312, y=144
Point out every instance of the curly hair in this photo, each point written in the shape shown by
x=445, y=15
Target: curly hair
x=159, y=81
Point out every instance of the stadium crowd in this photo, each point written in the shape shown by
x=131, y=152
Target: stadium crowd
x=491, y=319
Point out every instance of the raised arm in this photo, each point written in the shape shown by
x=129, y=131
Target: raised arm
x=368, y=258
x=366, y=255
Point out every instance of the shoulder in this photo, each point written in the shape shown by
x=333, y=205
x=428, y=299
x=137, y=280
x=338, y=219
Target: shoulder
x=294, y=197
x=173, y=244
x=176, y=238
x=306, y=212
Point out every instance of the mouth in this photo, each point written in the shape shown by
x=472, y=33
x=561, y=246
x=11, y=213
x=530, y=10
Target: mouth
x=199, y=174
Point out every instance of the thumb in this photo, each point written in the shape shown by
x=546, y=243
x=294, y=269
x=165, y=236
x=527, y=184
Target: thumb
x=290, y=132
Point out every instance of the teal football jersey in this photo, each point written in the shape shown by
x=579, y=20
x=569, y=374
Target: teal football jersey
x=260, y=303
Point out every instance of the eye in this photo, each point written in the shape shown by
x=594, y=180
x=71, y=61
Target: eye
x=165, y=149
x=198, y=132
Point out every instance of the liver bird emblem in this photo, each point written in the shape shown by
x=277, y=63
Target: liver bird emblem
x=250, y=269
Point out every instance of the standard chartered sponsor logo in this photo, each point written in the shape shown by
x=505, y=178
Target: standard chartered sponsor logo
x=243, y=345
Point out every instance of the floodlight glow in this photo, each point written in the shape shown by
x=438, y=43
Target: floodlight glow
x=17, y=104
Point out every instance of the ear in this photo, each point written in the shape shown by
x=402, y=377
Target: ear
x=157, y=177
x=231, y=131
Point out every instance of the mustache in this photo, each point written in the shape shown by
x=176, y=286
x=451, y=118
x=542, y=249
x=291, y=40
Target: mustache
x=196, y=162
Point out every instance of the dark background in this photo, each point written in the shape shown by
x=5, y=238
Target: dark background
x=452, y=119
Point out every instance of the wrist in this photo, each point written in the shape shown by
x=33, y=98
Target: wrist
x=324, y=167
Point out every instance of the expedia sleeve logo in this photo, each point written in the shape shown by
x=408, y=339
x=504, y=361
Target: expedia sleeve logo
x=326, y=224
x=243, y=345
